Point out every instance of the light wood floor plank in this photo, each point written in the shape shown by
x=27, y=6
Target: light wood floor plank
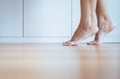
x=54, y=61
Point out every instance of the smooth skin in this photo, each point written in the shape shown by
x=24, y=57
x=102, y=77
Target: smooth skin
x=88, y=27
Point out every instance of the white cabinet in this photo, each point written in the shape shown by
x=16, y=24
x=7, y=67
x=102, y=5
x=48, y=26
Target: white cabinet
x=10, y=18
x=47, y=18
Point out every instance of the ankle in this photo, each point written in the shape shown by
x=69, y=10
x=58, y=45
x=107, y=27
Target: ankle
x=104, y=20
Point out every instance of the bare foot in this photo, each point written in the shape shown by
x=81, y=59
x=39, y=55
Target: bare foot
x=83, y=31
x=104, y=29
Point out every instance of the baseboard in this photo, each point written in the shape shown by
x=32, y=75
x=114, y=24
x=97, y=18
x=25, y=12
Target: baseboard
x=108, y=39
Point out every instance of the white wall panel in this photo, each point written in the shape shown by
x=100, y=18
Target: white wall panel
x=10, y=18
x=47, y=18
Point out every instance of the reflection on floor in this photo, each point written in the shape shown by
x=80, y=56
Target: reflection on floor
x=53, y=61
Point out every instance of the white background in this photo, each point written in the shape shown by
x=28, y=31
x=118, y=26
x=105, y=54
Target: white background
x=46, y=21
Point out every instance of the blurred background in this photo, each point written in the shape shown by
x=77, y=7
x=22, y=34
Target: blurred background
x=46, y=21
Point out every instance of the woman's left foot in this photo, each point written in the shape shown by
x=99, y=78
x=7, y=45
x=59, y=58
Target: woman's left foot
x=104, y=29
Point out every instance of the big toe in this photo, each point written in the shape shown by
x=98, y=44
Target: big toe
x=70, y=43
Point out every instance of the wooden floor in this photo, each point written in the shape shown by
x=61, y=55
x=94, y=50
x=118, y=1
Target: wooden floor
x=54, y=61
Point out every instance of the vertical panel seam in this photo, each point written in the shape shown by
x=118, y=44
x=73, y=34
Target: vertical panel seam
x=71, y=17
x=23, y=18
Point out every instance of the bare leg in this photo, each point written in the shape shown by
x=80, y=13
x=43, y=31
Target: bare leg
x=87, y=25
x=105, y=24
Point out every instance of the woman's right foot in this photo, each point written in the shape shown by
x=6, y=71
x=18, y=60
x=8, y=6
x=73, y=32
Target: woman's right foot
x=104, y=29
x=86, y=28
x=83, y=31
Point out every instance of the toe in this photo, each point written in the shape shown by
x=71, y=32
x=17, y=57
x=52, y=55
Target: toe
x=67, y=43
x=70, y=43
x=90, y=43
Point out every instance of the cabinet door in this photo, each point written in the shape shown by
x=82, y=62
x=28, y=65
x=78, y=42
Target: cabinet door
x=10, y=18
x=47, y=18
